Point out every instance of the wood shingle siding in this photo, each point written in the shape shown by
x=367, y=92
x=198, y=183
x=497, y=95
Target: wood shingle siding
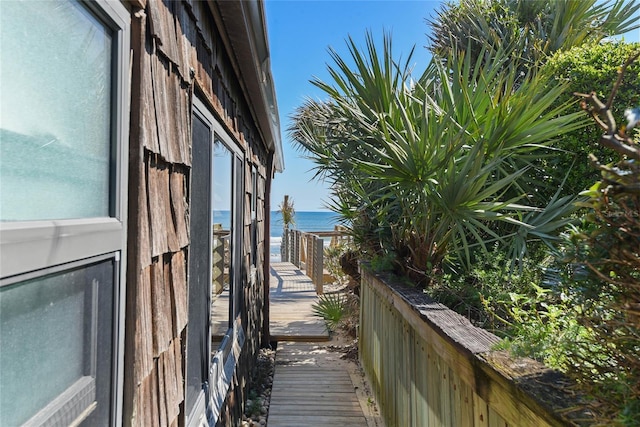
x=125, y=233
x=178, y=50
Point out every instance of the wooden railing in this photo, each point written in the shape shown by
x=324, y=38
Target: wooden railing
x=306, y=251
x=428, y=366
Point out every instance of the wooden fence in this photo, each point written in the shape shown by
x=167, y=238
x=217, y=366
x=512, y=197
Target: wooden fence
x=306, y=251
x=428, y=366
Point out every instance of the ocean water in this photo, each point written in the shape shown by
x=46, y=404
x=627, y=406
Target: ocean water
x=304, y=221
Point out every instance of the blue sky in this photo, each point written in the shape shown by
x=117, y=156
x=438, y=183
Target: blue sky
x=300, y=32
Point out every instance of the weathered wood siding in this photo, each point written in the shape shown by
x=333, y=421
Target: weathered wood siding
x=177, y=50
x=428, y=366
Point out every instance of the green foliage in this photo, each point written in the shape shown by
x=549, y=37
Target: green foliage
x=255, y=407
x=384, y=262
x=607, y=254
x=588, y=321
x=476, y=293
x=331, y=259
x=605, y=279
x=544, y=326
x=529, y=30
x=332, y=308
x=591, y=67
x=434, y=169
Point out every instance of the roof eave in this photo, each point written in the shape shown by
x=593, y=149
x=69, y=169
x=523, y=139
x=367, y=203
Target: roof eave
x=245, y=26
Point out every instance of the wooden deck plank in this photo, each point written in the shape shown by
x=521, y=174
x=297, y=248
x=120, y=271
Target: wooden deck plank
x=317, y=420
x=302, y=408
x=291, y=297
x=308, y=390
x=319, y=399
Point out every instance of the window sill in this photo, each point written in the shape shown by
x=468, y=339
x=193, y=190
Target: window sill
x=27, y=246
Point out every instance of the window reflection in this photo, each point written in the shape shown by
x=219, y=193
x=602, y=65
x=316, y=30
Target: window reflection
x=55, y=126
x=222, y=243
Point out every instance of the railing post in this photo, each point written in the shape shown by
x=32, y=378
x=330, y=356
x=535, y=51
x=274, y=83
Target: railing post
x=296, y=248
x=308, y=254
x=318, y=262
x=284, y=251
x=292, y=247
x=308, y=251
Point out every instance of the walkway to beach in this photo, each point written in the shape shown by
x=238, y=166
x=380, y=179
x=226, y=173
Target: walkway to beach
x=290, y=299
x=312, y=386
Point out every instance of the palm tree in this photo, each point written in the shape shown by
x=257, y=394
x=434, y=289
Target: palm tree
x=430, y=171
x=288, y=212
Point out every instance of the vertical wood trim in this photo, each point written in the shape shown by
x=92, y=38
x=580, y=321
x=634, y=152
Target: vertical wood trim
x=162, y=392
x=480, y=411
x=179, y=293
x=143, y=328
x=266, y=333
x=137, y=200
x=172, y=239
x=177, y=190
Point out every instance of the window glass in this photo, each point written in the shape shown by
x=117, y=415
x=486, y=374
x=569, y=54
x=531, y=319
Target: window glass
x=223, y=242
x=50, y=328
x=55, y=111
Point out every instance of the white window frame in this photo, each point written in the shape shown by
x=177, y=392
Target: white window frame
x=39, y=246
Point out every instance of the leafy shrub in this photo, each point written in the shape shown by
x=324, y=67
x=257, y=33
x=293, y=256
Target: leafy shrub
x=588, y=322
x=332, y=308
x=544, y=326
x=588, y=68
x=332, y=256
x=480, y=293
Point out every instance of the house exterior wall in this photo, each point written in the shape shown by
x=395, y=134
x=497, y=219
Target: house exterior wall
x=97, y=209
x=180, y=52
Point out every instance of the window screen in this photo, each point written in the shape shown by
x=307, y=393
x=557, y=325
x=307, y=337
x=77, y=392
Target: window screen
x=50, y=330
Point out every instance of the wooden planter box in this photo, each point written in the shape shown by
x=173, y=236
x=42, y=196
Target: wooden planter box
x=429, y=366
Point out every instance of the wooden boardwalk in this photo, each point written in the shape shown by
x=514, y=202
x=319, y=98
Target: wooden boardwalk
x=291, y=296
x=311, y=389
x=311, y=385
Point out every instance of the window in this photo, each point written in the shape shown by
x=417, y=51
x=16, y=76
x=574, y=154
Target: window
x=63, y=140
x=254, y=219
x=214, y=334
